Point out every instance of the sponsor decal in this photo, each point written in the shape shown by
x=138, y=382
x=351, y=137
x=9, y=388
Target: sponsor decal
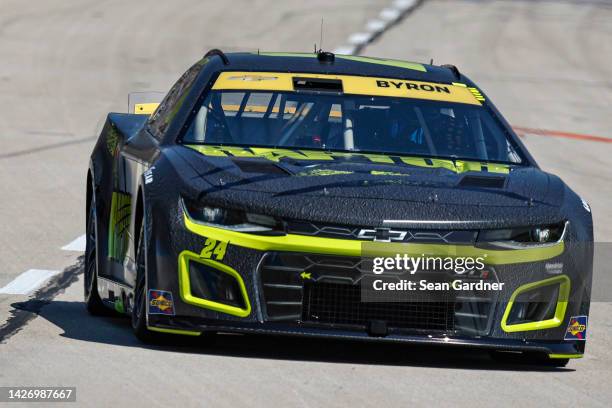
x=413, y=85
x=148, y=175
x=576, y=328
x=120, y=215
x=119, y=306
x=274, y=154
x=554, y=267
x=160, y=302
x=252, y=78
x=351, y=84
x=145, y=108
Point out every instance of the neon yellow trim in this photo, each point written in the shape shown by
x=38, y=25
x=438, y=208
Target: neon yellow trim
x=121, y=208
x=351, y=84
x=565, y=355
x=562, y=299
x=145, y=108
x=174, y=331
x=370, y=60
x=274, y=154
x=477, y=94
x=185, y=285
x=383, y=61
x=351, y=247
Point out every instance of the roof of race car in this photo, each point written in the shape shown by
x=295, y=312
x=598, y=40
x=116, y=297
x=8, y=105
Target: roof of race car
x=341, y=64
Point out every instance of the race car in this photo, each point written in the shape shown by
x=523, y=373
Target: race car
x=258, y=194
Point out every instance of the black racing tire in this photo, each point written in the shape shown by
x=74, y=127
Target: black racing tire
x=139, y=309
x=533, y=359
x=94, y=304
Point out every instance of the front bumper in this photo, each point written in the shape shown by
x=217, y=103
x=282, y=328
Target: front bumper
x=196, y=326
x=279, y=306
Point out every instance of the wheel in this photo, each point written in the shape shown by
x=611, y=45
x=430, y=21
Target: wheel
x=528, y=359
x=139, y=310
x=93, y=302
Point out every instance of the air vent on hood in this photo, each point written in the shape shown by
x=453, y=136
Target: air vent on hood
x=259, y=166
x=482, y=181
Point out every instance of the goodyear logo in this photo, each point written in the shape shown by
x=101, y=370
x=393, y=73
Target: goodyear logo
x=160, y=302
x=576, y=328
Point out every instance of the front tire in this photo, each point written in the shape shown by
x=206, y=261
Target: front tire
x=93, y=302
x=139, y=310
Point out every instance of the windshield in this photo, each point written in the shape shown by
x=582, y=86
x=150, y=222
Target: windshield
x=350, y=123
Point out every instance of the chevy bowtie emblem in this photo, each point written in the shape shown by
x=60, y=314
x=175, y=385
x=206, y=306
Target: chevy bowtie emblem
x=382, y=234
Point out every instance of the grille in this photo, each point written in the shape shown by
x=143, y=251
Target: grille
x=322, y=289
x=337, y=303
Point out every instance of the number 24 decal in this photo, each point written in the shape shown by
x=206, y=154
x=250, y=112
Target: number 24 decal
x=214, y=249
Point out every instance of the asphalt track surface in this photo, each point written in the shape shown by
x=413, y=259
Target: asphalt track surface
x=64, y=64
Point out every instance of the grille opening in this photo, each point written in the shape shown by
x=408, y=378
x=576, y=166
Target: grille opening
x=337, y=303
x=535, y=305
x=212, y=284
x=326, y=290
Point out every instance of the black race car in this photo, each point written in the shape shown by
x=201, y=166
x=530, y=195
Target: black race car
x=261, y=191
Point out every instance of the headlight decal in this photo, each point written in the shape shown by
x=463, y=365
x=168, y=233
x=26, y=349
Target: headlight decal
x=232, y=220
x=524, y=237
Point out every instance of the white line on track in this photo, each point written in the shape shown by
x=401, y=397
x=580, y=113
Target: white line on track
x=28, y=282
x=78, y=245
x=359, y=38
x=387, y=17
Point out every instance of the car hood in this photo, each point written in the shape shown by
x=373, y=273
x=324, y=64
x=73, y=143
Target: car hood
x=358, y=186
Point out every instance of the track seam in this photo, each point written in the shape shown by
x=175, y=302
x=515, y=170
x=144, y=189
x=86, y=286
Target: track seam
x=387, y=18
x=23, y=312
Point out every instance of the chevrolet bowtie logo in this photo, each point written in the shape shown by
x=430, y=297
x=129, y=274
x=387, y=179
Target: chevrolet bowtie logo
x=382, y=234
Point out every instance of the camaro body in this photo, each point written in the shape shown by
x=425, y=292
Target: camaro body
x=302, y=273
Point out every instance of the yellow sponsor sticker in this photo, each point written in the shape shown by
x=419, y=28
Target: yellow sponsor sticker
x=145, y=108
x=357, y=85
